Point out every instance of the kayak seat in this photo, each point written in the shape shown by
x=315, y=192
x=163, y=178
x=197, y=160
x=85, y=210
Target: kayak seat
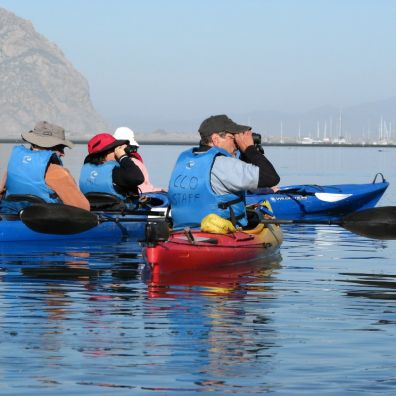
x=104, y=201
x=24, y=198
x=254, y=217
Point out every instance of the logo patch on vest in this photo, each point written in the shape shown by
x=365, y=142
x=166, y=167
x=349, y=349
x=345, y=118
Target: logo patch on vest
x=190, y=164
x=27, y=159
x=92, y=176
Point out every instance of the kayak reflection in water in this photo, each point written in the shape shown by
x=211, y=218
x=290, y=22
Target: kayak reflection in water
x=218, y=281
x=37, y=174
x=211, y=179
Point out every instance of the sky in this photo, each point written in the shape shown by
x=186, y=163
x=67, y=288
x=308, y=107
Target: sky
x=189, y=59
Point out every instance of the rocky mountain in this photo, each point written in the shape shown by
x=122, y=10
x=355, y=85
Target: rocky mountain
x=38, y=83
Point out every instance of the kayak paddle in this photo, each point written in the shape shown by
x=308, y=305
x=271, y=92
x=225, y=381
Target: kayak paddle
x=65, y=220
x=376, y=223
x=58, y=219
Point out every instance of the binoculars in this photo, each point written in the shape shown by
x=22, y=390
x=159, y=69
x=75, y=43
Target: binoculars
x=256, y=138
x=130, y=149
x=257, y=142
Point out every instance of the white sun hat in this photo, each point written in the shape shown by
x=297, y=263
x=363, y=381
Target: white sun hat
x=125, y=133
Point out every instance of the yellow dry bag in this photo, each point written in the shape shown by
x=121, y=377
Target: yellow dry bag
x=216, y=224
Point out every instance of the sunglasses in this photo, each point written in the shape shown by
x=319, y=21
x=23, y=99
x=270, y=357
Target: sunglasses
x=60, y=149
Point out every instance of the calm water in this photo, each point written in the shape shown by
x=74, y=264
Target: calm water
x=319, y=319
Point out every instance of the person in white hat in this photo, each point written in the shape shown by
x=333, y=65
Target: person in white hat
x=125, y=133
x=38, y=171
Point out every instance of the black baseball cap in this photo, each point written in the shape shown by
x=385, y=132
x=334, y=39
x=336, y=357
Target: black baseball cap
x=220, y=123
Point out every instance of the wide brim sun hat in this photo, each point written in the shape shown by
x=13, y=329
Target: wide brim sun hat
x=45, y=134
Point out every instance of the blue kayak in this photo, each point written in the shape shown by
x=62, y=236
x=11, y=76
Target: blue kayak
x=114, y=223
x=310, y=201
x=12, y=229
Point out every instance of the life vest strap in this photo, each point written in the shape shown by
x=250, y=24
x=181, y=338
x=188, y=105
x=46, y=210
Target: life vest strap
x=225, y=205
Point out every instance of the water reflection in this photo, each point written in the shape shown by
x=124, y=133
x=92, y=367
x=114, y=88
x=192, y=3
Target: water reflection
x=219, y=318
x=57, y=277
x=310, y=241
x=58, y=304
x=231, y=281
x=372, y=286
x=87, y=317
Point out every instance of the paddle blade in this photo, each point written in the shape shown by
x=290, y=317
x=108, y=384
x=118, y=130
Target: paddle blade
x=378, y=223
x=58, y=219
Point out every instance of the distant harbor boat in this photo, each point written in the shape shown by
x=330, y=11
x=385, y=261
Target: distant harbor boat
x=308, y=140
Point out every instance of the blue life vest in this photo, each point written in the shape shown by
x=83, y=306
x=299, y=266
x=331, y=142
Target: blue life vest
x=191, y=195
x=99, y=178
x=26, y=174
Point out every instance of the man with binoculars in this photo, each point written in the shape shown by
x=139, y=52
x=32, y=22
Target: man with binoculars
x=212, y=179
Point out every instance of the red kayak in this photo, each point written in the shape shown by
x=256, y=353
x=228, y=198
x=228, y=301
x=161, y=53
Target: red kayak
x=188, y=250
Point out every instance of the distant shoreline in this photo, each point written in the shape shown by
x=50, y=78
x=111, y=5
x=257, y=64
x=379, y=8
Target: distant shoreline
x=192, y=143
x=186, y=143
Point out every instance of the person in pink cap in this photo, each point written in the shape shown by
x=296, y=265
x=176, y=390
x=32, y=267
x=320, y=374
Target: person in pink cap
x=108, y=169
x=125, y=133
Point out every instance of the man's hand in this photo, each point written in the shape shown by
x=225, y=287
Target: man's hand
x=275, y=189
x=243, y=140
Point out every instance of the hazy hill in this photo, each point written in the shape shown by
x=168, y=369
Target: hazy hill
x=37, y=83
x=365, y=121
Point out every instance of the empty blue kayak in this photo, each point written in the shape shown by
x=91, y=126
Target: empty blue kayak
x=310, y=201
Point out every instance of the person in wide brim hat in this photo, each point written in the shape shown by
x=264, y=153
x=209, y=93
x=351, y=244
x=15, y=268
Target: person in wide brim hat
x=47, y=135
x=38, y=173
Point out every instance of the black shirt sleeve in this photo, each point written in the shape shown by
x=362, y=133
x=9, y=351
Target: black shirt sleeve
x=268, y=177
x=127, y=176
